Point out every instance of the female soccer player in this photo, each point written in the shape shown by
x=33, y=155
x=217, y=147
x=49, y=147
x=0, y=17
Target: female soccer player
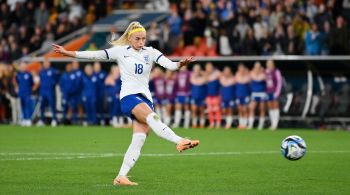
x=198, y=94
x=112, y=86
x=228, y=93
x=242, y=94
x=170, y=94
x=213, y=95
x=159, y=91
x=274, y=86
x=182, y=100
x=135, y=61
x=259, y=96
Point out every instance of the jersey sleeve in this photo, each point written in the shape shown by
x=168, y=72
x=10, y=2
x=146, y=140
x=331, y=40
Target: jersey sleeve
x=159, y=58
x=106, y=54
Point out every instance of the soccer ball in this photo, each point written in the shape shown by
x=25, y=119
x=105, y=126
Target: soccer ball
x=293, y=147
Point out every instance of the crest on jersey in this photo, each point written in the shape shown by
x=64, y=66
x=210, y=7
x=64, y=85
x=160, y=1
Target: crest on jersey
x=146, y=57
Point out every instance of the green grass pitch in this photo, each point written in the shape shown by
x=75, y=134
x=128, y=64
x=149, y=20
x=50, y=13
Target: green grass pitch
x=84, y=160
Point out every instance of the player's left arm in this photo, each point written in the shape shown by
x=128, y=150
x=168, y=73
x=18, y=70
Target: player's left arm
x=160, y=59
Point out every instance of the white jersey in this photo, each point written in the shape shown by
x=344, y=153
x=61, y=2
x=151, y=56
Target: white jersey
x=135, y=66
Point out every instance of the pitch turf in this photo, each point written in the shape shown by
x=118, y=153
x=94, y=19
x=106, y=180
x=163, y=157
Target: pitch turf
x=79, y=160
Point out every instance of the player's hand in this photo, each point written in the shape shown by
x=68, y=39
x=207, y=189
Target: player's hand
x=59, y=49
x=185, y=62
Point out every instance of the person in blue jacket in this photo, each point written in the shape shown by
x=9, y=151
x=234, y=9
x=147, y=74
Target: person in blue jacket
x=100, y=92
x=112, y=87
x=313, y=41
x=48, y=80
x=89, y=81
x=25, y=84
x=75, y=99
x=66, y=88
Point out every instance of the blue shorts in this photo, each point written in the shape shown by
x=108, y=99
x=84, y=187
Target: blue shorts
x=182, y=99
x=243, y=100
x=198, y=102
x=227, y=103
x=259, y=96
x=271, y=97
x=158, y=101
x=168, y=101
x=129, y=102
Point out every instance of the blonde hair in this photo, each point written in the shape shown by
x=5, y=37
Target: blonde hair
x=123, y=40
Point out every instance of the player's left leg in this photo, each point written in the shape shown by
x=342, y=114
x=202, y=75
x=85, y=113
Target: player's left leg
x=262, y=115
x=43, y=102
x=252, y=107
x=140, y=131
x=217, y=110
x=52, y=105
x=187, y=118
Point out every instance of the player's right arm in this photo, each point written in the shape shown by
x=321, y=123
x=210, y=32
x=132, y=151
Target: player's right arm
x=93, y=55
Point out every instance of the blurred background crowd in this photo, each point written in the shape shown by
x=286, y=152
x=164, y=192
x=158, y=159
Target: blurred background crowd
x=203, y=27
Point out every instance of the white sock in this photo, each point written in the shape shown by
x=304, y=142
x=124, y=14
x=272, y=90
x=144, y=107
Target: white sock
x=121, y=121
x=229, y=120
x=250, y=122
x=177, y=118
x=240, y=122
x=187, y=119
x=129, y=121
x=277, y=117
x=261, y=122
x=167, y=120
x=244, y=121
x=271, y=115
x=133, y=153
x=194, y=121
x=164, y=113
x=161, y=129
x=202, y=122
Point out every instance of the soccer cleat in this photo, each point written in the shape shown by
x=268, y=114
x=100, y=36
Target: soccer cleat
x=186, y=144
x=123, y=181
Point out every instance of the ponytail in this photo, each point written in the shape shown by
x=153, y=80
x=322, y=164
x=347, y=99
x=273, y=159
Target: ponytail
x=123, y=40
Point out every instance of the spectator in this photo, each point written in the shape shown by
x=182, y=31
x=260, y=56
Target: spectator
x=242, y=27
x=75, y=10
x=250, y=46
x=325, y=38
x=280, y=40
x=12, y=95
x=223, y=44
x=153, y=36
x=292, y=47
x=174, y=22
x=41, y=15
x=48, y=42
x=339, y=38
x=313, y=41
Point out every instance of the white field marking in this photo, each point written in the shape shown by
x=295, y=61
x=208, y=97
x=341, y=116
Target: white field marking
x=72, y=156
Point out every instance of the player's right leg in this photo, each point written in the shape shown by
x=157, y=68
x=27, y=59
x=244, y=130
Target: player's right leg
x=140, y=131
x=252, y=106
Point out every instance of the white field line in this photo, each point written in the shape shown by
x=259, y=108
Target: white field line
x=18, y=156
